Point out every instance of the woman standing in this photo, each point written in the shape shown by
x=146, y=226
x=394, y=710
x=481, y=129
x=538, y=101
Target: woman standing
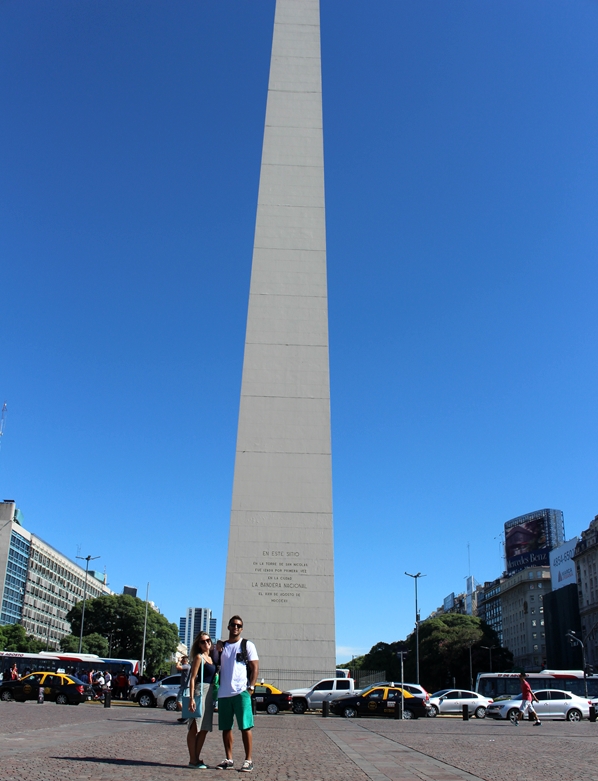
x=198, y=728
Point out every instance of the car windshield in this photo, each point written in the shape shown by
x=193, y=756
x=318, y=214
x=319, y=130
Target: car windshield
x=76, y=680
x=440, y=693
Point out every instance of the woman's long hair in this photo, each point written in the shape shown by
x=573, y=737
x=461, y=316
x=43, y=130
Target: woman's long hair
x=195, y=648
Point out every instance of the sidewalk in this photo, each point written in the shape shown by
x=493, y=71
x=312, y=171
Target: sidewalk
x=51, y=742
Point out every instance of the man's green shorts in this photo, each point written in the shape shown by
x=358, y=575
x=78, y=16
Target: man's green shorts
x=239, y=706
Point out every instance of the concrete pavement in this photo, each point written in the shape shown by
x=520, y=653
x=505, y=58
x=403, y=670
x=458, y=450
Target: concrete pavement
x=50, y=742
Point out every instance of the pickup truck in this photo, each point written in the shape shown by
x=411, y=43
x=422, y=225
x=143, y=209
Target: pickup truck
x=326, y=689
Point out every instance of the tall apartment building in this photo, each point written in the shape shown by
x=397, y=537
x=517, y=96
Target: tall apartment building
x=489, y=607
x=196, y=620
x=586, y=564
x=39, y=585
x=522, y=606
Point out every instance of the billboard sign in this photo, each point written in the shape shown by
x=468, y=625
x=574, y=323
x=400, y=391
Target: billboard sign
x=526, y=542
x=449, y=602
x=562, y=566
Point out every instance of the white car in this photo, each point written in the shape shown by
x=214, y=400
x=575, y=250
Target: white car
x=453, y=700
x=553, y=704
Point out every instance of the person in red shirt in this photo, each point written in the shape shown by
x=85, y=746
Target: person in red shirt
x=527, y=697
x=14, y=673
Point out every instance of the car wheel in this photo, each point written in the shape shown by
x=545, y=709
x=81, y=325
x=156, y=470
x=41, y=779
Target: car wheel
x=170, y=704
x=480, y=713
x=408, y=714
x=574, y=715
x=513, y=714
x=272, y=709
x=62, y=699
x=433, y=712
x=350, y=713
x=299, y=706
x=146, y=700
x=6, y=696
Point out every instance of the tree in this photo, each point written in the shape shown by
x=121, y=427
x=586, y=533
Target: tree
x=14, y=638
x=444, y=643
x=92, y=644
x=121, y=617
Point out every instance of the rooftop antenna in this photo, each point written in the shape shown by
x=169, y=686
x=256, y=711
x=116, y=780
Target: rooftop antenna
x=468, y=561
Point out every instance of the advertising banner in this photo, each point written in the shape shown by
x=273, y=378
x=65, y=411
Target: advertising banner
x=562, y=566
x=526, y=544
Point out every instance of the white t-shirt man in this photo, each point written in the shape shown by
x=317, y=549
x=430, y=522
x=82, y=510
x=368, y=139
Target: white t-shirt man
x=233, y=673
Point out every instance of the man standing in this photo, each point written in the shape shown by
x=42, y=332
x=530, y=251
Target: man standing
x=184, y=668
x=527, y=696
x=239, y=667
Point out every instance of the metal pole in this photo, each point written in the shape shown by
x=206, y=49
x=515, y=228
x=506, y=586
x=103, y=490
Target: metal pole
x=489, y=648
x=470, y=671
x=144, y=629
x=87, y=559
x=415, y=578
x=571, y=635
x=402, y=691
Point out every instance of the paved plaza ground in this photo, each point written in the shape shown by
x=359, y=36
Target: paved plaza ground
x=49, y=742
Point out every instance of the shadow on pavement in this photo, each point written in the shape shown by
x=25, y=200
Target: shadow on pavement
x=120, y=762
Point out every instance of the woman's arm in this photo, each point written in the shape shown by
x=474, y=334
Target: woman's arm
x=192, y=676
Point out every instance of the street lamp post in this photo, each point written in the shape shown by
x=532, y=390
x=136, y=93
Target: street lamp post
x=86, y=559
x=144, y=630
x=416, y=578
x=489, y=648
x=574, y=639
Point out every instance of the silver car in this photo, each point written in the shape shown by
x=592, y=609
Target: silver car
x=453, y=700
x=553, y=704
x=146, y=694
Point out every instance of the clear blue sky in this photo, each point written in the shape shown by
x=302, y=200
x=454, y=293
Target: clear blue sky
x=462, y=194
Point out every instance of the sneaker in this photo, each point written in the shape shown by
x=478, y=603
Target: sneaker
x=201, y=765
x=226, y=764
x=537, y=724
x=247, y=767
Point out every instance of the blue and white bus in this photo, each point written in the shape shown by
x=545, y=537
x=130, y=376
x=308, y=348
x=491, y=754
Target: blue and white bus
x=495, y=685
x=62, y=662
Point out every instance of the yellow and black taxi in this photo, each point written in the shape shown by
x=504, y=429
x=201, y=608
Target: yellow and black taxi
x=267, y=697
x=380, y=700
x=56, y=687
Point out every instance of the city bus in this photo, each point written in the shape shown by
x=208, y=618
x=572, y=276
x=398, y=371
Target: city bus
x=71, y=664
x=495, y=685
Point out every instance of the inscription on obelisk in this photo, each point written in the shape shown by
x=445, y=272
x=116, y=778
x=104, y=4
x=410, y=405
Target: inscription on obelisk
x=280, y=575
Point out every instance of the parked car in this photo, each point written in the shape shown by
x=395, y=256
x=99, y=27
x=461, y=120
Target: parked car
x=412, y=688
x=146, y=694
x=270, y=699
x=453, y=700
x=57, y=687
x=553, y=704
x=379, y=701
x=326, y=689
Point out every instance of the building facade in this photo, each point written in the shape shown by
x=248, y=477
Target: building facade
x=39, y=584
x=586, y=565
x=522, y=608
x=490, y=607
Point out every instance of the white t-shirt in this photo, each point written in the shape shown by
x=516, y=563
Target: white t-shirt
x=233, y=674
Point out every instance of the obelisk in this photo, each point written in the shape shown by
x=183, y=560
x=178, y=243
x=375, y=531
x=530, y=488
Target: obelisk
x=280, y=575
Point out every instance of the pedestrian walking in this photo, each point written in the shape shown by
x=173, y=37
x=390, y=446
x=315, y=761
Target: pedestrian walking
x=201, y=688
x=239, y=667
x=527, y=697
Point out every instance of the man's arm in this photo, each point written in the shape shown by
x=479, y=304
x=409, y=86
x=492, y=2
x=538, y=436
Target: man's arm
x=253, y=670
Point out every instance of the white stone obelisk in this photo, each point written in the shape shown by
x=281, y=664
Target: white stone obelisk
x=280, y=576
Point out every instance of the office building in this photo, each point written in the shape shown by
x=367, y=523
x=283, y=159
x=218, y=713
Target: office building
x=522, y=607
x=39, y=584
x=196, y=620
x=489, y=607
